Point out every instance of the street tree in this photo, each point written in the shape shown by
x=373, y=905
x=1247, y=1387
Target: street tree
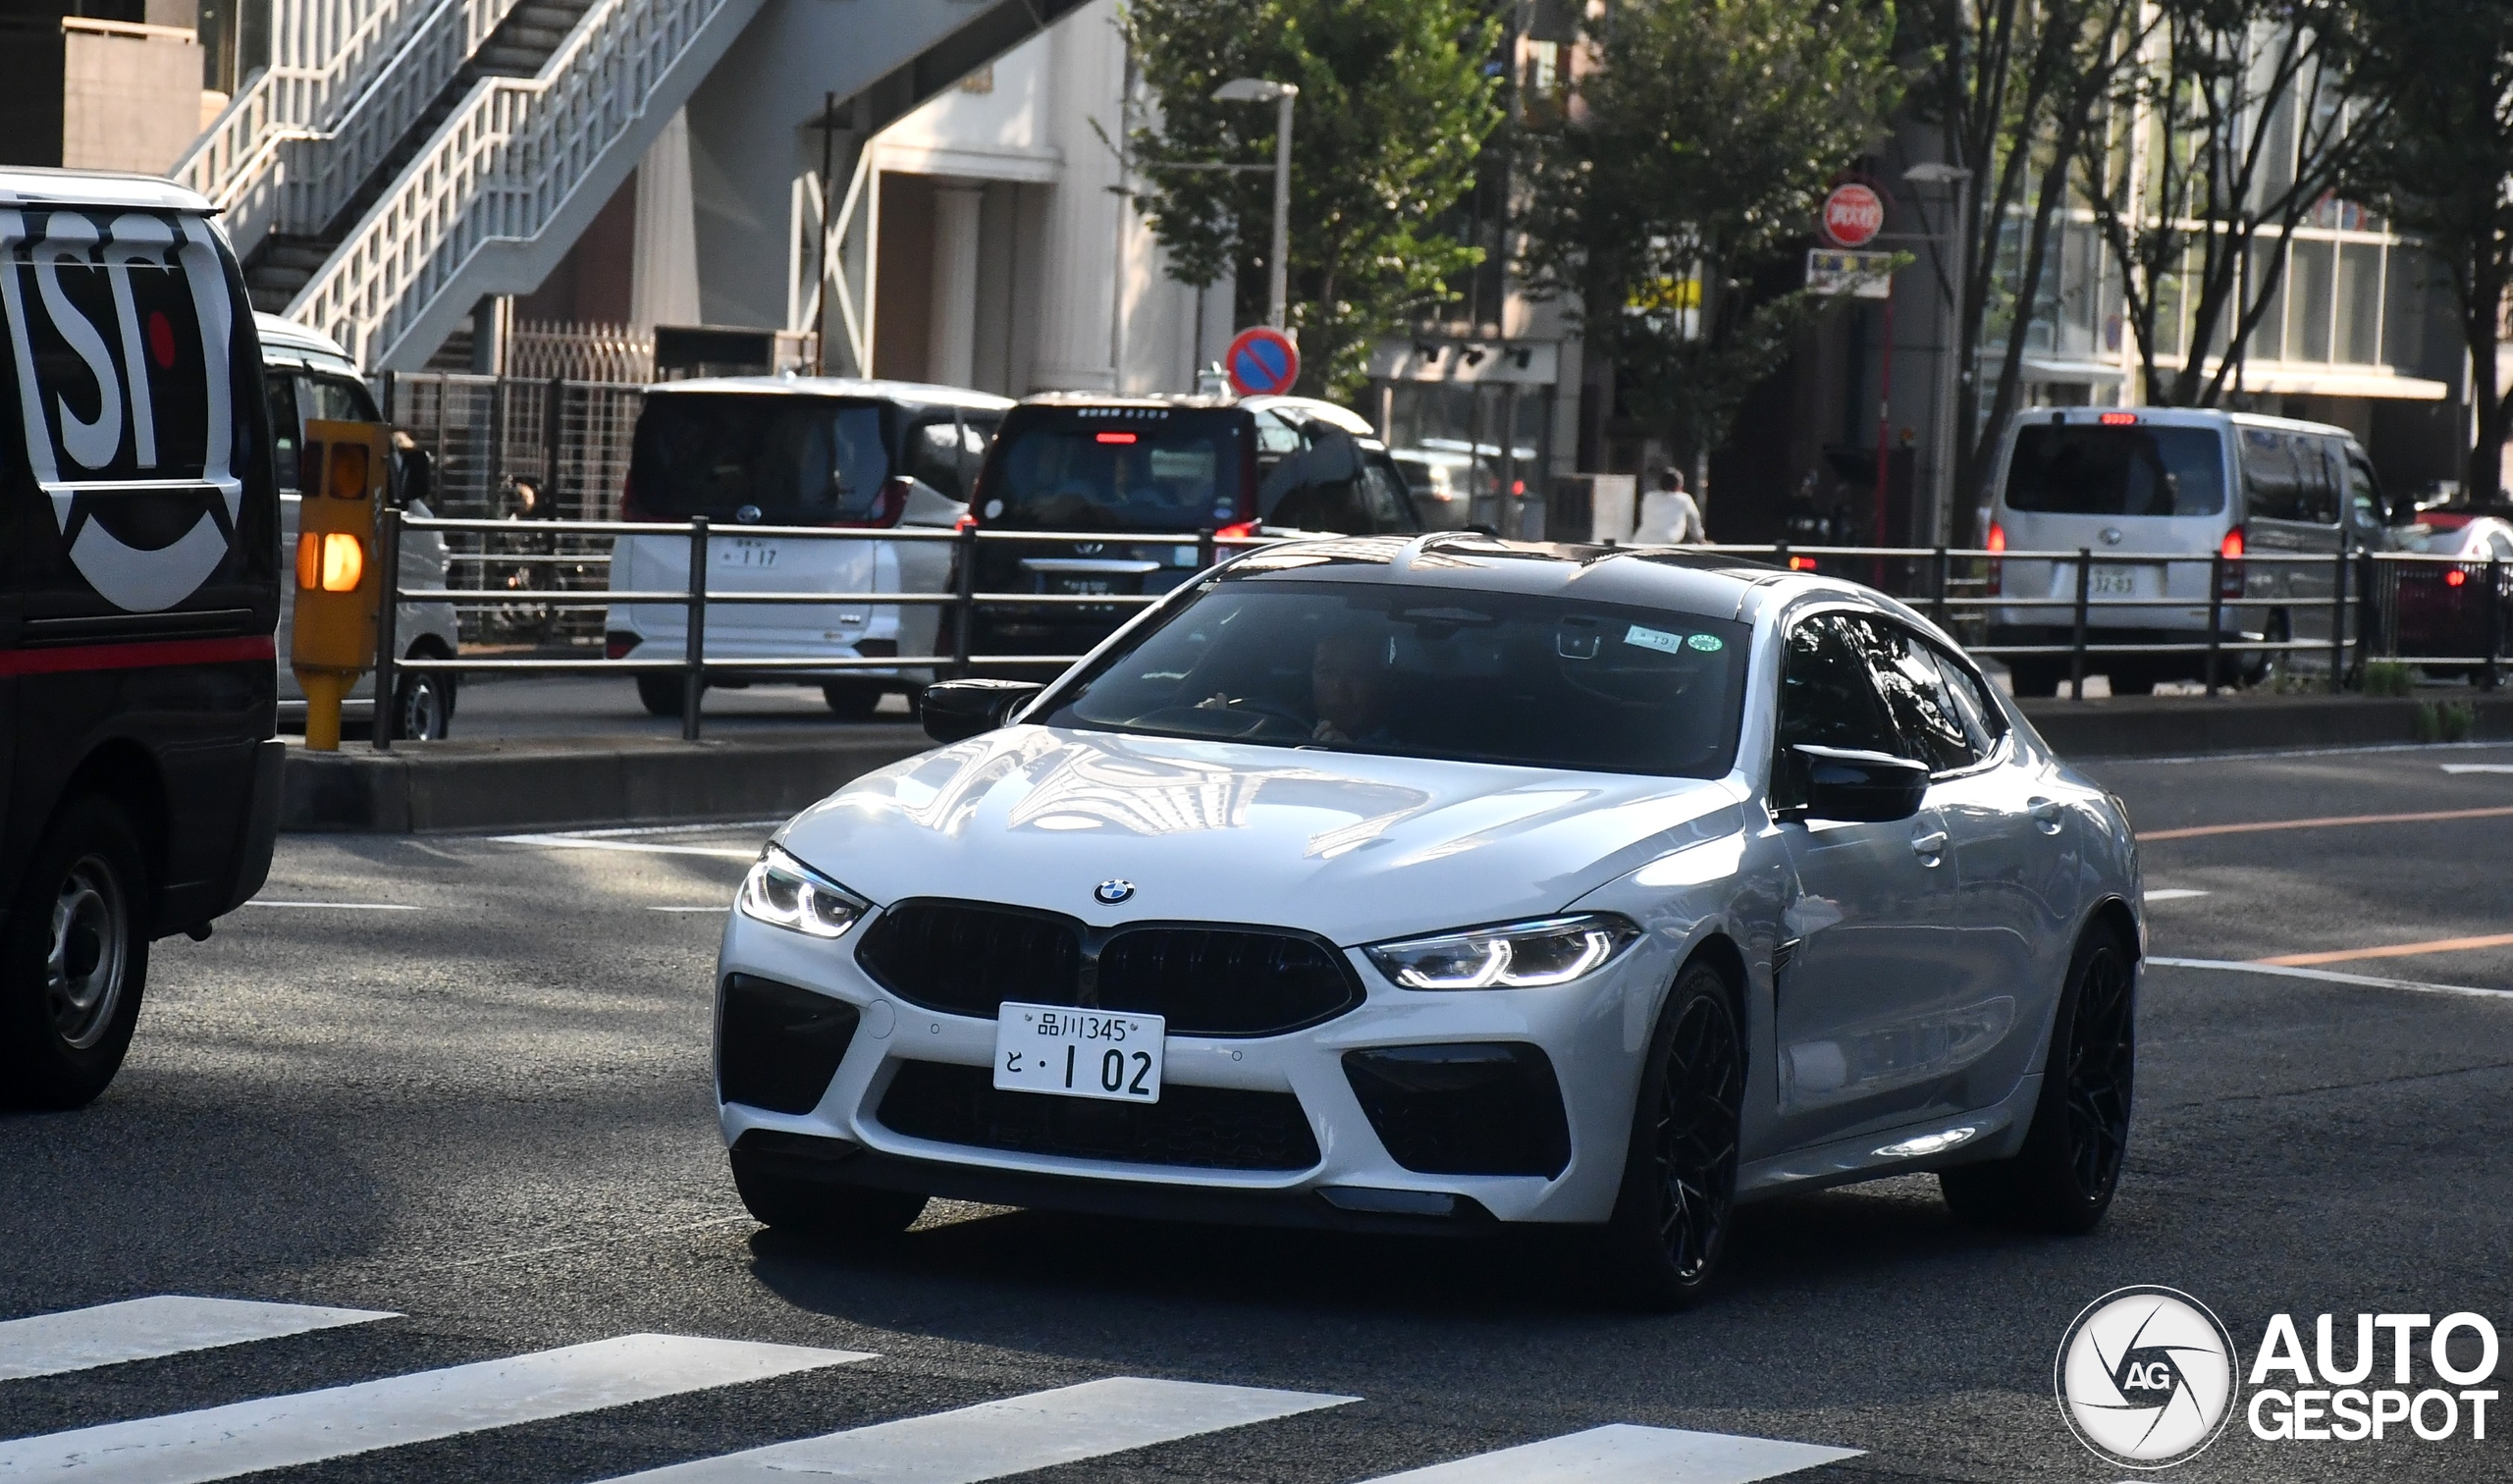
x=2239, y=121
x=2011, y=86
x=1396, y=101
x=2441, y=168
x=1693, y=155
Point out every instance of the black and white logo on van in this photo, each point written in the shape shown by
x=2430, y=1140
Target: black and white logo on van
x=2146, y=1377
x=118, y=330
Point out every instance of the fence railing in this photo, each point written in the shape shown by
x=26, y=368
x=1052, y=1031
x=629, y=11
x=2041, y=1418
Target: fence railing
x=2461, y=601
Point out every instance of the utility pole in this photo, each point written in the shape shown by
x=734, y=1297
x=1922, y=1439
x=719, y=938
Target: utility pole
x=1951, y=360
x=1277, y=260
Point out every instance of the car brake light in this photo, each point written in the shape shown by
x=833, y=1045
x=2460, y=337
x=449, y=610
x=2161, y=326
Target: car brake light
x=1113, y=438
x=2232, y=546
x=2118, y=419
x=2455, y=577
x=966, y=522
x=1240, y=531
x=2230, y=584
x=1995, y=542
x=1801, y=564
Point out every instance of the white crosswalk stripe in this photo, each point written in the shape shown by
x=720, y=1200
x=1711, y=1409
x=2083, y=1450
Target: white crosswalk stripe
x=1626, y=1455
x=277, y=1432
x=991, y=1440
x=995, y=1439
x=148, y=1329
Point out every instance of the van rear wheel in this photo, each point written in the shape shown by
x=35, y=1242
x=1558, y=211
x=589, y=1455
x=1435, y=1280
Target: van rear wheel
x=853, y=700
x=74, y=959
x=662, y=693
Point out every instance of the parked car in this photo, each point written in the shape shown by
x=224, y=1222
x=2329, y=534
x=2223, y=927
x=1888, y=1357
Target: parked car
x=1422, y=884
x=306, y=374
x=2177, y=482
x=1170, y=468
x=139, y=582
x=796, y=450
x=2443, y=610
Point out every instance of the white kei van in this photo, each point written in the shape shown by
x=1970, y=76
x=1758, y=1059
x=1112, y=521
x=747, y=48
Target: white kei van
x=2179, y=481
x=306, y=374
x=796, y=450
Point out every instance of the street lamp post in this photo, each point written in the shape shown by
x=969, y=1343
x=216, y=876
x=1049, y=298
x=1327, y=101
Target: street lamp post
x=1958, y=233
x=1277, y=266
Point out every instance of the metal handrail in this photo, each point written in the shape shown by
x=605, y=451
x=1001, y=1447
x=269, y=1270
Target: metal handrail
x=2225, y=597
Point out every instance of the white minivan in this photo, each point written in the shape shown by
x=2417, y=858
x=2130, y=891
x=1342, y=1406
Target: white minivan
x=2179, y=481
x=306, y=374
x=796, y=450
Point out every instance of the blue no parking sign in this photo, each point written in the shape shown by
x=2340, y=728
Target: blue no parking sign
x=1262, y=362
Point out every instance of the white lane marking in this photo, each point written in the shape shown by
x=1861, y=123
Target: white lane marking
x=2331, y=977
x=689, y=909
x=2174, y=893
x=638, y=847
x=1016, y=1435
x=2477, y=767
x=1627, y=1454
x=2272, y=754
x=339, y=906
x=146, y=1329
x=279, y=1432
x=621, y=830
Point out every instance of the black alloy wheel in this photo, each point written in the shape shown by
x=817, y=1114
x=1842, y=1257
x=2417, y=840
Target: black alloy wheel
x=1671, y=1222
x=2064, y=1178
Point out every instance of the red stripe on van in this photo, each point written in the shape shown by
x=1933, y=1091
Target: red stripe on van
x=142, y=655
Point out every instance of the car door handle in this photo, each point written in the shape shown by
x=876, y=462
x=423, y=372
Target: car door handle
x=2045, y=814
x=1929, y=847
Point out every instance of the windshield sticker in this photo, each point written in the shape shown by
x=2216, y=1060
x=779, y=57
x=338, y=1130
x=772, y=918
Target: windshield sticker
x=1656, y=638
x=1708, y=643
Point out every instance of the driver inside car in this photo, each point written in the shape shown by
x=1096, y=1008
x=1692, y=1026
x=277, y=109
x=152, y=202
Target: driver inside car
x=1350, y=680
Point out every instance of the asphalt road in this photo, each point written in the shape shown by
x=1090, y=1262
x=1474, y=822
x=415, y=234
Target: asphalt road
x=489, y=1115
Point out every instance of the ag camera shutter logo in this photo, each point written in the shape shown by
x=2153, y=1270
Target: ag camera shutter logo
x=2146, y=1377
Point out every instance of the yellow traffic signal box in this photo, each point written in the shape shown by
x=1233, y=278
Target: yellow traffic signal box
x=339, y=576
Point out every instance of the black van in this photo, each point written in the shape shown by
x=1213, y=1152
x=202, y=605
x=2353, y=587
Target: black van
x=1154, y=466
x=138, y=591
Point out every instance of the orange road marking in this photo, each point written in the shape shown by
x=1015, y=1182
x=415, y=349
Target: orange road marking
x=2395, y=950
x=2195, y=831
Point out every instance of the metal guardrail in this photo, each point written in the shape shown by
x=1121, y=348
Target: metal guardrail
x=1951, y=583
x=699, y=596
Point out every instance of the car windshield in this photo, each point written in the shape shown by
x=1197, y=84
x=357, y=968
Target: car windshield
x=2076, y=470
x=1491, y=677
x=1117, y=468
x=800, y=460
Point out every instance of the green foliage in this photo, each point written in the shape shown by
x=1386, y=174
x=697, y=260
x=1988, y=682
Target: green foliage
x=2444, y=722
x=1694, y=157
x=2388, y=678
x=1395, y=106
x=2441, y=168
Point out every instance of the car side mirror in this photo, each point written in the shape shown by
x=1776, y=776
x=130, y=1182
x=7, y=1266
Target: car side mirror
x=958, y=709
x=1858, y=787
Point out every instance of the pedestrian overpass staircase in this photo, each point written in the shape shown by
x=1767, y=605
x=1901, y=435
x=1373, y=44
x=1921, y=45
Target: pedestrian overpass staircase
x=402, y=158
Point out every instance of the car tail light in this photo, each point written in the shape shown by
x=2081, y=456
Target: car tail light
x=1995, y=542
x=1239, y=531
x=889, y=502
x=966, y=522
x=1801, y=564
x=2118, y=419
x=2230, y=584
x=615, y=646
x=2455, y=577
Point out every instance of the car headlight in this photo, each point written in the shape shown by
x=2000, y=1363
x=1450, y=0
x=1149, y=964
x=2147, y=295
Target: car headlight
x=1517, y=956
x=783, y=893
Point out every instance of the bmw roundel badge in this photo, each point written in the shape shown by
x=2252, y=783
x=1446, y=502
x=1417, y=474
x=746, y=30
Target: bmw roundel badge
x=1113, y=892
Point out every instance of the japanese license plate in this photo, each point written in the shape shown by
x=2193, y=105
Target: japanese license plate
x=1085, y=585
x=745, y=552
x=1077, y=1053
x=2118, y=581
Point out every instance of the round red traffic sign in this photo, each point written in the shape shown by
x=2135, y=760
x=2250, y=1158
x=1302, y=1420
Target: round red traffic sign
x=1262, y=362
x=1853, y=214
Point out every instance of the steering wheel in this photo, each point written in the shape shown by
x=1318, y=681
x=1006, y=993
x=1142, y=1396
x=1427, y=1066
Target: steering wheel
x=1270, y=712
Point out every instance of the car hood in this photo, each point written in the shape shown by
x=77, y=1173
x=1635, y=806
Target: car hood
x=1350, y=846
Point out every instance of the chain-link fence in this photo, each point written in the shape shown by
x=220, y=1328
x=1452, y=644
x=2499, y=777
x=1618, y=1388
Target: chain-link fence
x=524, y=452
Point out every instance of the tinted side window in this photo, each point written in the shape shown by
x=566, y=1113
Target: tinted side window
x=1825, y=698
x=1983, y=722
x=1905, y=674
x=2288, y=476
x=280, y=390
x=945, y=453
